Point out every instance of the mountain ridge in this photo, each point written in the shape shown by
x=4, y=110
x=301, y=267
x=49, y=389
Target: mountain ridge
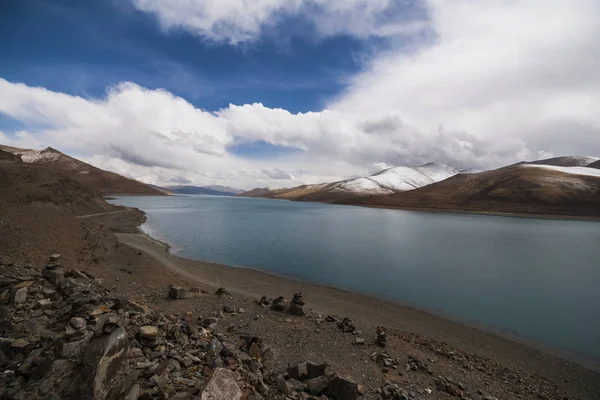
x=387, y=181
x=105, y=182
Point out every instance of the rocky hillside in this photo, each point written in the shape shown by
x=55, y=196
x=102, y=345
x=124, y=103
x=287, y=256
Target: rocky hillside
x=388, y=181
x=516, y=189
x=107, y=183
x=65, y=337
x=38, y=208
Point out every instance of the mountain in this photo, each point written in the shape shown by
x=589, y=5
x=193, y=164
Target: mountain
x=566, y=161
x=388, y=181
x=40, y=200
x=106, y=183
x=521, y=189
x=594, y=165
x=226, y=189
x=204, y=190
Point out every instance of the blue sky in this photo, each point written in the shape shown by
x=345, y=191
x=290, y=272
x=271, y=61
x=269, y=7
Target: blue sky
x=285, y=92
x=81, y=47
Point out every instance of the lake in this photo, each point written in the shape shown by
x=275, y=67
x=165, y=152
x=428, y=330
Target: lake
x=537, y=278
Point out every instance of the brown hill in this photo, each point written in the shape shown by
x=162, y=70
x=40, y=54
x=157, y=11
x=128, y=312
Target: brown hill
x=515, y=189
x=37, y=214
x=107, y=183
x=594, y=165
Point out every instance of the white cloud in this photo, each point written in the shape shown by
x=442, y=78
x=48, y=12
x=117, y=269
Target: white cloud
x=237, y=21
x=504, y=81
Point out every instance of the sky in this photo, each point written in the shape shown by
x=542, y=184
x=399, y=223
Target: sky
x=278, y=93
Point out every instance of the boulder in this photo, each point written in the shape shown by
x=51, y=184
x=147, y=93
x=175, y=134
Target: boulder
x=343, y=389
x=177, y=292
x=105, y=366
x=148, y=335
x=19, y=296
x=221, y=386
x=315, y=370
x=316, y=386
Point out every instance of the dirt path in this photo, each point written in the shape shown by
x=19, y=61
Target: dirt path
x=158, y=251
x=103, y=213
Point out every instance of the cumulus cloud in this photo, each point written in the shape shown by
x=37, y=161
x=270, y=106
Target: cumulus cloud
x=237, y=21
x=503, y=81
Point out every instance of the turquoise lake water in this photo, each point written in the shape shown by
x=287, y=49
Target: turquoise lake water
x=536, y=278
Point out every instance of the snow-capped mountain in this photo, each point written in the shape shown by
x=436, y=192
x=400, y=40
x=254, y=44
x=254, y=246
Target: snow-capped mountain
x=397, y=179
x=388, y=181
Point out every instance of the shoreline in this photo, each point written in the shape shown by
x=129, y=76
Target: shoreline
x=506, y=214
x=555, y=351
x=584, y=361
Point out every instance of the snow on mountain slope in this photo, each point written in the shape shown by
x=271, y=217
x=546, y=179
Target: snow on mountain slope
x=397, y=179
x=569, y=170
x=566, y=161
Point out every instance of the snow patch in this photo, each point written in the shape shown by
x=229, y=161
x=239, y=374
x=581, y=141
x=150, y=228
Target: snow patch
x=568, y=170
x=35, y=156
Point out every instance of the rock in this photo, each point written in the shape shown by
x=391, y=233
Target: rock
x=44, y=304
x=316, y=386
x=343, y=389
x=291, y=386
x=381, y=337
x=55, y=276
x=299, y=371
x=221, y=291
x=148, y=335
x=19, y=344
x=296, y=306
x=77, y=323
x=360, y=341
x=346, y=325
x=54, y=258
x=279, y=304
x=315, y=370
x=177, y=292
x=133, y=393
x=20, y=295
x=221, y=386
x=265, y=301
x=105, y=365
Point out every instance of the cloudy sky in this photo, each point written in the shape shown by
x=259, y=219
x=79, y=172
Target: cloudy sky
x=283, y=92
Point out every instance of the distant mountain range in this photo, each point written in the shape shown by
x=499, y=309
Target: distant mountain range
x=559, y=186
x=104, y=182
x=388, y=181
x=214, y=190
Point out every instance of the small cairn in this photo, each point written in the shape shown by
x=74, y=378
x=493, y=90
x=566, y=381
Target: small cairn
x=279, y=304
x=53, y=272
x=381, y=337
x=296, y=306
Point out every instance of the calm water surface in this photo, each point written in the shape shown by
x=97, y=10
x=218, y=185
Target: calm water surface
x=533, y=277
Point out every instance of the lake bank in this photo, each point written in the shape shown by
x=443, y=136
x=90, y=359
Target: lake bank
x=370, y=311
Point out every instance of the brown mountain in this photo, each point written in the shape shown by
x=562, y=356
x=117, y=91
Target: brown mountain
x=515, y=189
x=38, y=206
x=107, y=183
x=594, y=165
